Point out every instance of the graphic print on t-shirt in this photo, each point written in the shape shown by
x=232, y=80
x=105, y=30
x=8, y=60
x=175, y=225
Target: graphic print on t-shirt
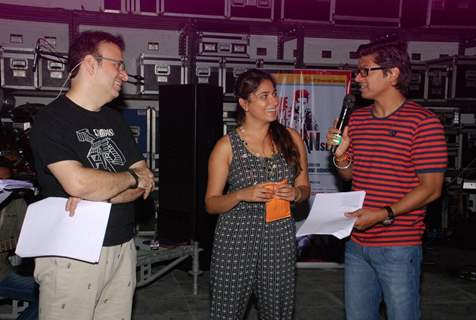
x=104, y=153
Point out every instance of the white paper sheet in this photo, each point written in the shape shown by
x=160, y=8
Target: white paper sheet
x=48, y=230
x=327, y=214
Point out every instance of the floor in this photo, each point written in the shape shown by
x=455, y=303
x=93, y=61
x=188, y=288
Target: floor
x=445, y=292
x=448, y=291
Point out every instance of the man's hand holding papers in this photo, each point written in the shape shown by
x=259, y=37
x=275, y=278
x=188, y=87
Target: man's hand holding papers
x=327, y=215
x=49, y=230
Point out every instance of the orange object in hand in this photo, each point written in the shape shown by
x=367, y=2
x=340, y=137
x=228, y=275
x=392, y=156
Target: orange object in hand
x=277, y=209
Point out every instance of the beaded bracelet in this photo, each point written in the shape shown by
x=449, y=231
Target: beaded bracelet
x=346, y=158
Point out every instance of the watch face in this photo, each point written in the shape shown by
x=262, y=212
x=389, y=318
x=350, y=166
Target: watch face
x=390, y=216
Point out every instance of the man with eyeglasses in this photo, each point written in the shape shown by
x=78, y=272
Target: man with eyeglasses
x=85, y=150
x=395, y=151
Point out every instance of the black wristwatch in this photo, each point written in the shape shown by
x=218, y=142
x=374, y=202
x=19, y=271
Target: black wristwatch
x=390, y=216
x=136, y=178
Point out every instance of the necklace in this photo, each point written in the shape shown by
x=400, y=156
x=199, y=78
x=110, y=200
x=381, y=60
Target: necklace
x=262, y=152
x=268, y=164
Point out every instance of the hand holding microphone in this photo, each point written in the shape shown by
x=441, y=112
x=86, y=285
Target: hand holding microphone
x=335, y=135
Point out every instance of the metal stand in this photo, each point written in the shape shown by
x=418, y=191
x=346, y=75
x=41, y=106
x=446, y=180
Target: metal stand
x=146, y=257
x=16, y=308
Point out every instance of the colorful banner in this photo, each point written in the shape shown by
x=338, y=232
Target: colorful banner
x=310, y=100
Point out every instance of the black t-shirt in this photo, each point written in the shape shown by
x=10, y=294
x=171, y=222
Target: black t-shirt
x=100, y=140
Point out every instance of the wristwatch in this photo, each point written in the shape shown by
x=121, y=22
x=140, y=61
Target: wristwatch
x=390, y=216
x=135, y=176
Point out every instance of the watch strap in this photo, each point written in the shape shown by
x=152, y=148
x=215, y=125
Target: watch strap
x=390, y=216
x=136, y=178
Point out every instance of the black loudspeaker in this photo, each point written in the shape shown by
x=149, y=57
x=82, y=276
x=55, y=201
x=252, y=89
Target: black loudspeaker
x=190, y=123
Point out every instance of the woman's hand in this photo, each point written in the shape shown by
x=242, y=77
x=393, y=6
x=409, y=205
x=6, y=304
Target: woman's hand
x=287, y=192
x=256, y=193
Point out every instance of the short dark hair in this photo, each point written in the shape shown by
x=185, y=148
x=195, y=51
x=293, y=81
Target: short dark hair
x=390, y=54
x=87, y=42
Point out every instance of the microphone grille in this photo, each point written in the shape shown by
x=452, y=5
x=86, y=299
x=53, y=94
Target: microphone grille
x=349, y=100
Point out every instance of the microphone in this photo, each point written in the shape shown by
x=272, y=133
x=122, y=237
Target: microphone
x=347, y=105
x=36, y=56
x=136, y=77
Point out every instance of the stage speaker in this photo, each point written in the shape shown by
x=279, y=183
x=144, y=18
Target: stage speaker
x=190, y=123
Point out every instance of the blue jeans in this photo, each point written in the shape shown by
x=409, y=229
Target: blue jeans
x=375, y=272
x=23, y=288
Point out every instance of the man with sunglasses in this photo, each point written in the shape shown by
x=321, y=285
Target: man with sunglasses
x=85, y=150
x=395, y=151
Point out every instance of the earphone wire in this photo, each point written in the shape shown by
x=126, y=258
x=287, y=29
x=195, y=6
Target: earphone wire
x=67, y=79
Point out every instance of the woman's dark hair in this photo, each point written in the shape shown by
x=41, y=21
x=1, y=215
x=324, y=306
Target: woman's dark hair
x=87, y=42
x=390, y=54
x=247, y=83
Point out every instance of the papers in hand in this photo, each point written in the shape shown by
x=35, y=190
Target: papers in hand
x=48, y=230
x=327, y=214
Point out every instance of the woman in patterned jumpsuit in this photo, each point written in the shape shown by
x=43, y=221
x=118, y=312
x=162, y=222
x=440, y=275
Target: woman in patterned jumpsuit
x=249, y=254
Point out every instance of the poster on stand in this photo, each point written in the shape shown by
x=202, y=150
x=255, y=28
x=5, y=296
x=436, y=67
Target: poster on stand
x=310, y=100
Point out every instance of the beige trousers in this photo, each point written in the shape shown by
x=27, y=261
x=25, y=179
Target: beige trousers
x=76, y=290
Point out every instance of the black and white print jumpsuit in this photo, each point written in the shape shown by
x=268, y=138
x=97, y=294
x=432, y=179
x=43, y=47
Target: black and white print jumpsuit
x=250, y=255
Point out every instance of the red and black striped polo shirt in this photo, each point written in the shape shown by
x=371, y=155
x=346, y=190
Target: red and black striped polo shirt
x=388, y=153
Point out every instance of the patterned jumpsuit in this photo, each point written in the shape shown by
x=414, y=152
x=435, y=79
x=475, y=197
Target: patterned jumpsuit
x=250, y=255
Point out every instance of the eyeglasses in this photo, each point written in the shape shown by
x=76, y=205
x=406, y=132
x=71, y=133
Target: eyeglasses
x=364, y=72
x=120, y=66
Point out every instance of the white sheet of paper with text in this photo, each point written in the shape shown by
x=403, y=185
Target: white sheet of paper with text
x=327, y=214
